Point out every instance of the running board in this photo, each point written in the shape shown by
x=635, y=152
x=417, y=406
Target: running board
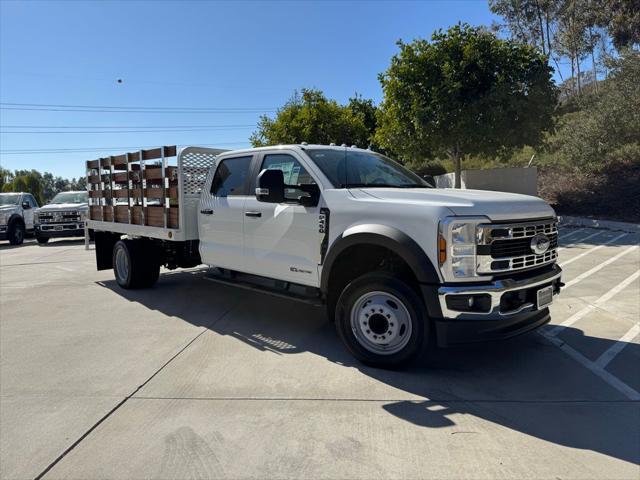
x=244, y=282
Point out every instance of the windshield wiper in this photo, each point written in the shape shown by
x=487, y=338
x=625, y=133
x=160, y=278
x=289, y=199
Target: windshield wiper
x=384, y=185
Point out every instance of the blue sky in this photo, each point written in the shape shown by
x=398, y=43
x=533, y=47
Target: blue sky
x=237, y=55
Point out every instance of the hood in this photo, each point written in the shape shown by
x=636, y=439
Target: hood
x=8, y=208
x=52, y=207
x=497, y=206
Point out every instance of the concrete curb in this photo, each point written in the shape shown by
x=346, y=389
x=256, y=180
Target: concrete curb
x=569, y=221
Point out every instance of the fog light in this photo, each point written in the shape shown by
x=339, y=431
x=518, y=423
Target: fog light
x=469, y=303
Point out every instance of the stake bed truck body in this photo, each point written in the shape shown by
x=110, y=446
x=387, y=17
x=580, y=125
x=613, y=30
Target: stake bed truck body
x=395, y=261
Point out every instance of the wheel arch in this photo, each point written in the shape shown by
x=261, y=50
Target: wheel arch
x=16, y=217
x=386, y=237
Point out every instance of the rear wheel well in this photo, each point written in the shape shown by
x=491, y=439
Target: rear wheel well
x=357, y=260
x=16, y=219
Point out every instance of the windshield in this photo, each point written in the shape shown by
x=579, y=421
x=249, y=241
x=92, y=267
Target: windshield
x=9, y=199
x=355, y=168
x=71, y=197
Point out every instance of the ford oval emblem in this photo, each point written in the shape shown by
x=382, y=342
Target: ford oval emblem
x=540, y=244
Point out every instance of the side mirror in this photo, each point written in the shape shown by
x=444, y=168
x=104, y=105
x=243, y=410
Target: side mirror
x=270, y=186
x=26, y=205
x=429, y=179
x=313, y=195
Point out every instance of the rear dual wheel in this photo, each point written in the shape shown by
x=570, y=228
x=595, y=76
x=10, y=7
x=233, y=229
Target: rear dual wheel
x=134, y=264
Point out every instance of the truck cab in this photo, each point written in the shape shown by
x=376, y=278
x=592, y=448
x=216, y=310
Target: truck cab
x=399, y=265
x=16, y=216
x=63, y=217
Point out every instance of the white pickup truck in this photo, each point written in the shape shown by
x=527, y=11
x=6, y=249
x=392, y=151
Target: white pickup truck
x=397, y=263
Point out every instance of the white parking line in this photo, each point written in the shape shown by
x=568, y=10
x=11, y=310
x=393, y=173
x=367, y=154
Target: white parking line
x=65, y=269
x=568, y=234
x=591, y=250
x=589, y=308
x=574, y=242
x=612, y=380
x=611, y=352
x=597, y=268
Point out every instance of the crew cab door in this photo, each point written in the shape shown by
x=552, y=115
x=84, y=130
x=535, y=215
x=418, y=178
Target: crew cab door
x=282, y=240
x=221, y=215
x=28, y=213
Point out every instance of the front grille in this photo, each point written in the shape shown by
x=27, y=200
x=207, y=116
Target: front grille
x=517, y=246
x=59, y=217
x=503, y=248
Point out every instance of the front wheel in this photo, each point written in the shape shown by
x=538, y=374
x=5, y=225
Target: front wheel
x=381, y=320
x=16, y=233
x=41, y=240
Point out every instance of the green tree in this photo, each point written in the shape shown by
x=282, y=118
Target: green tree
x=464, y=93
x=6, y=177
x=621, y=19
x=366, y=110
x=311, y=117
x=605, y=127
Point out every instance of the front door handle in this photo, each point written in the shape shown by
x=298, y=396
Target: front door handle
x=253, y=214
x=206, y=211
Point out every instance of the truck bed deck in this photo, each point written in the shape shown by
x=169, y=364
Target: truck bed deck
x=151, y=193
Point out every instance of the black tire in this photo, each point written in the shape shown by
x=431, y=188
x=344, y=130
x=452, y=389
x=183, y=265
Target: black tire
x=403, y=306
x=16, y=232
x=41, y=240
x=133, y=266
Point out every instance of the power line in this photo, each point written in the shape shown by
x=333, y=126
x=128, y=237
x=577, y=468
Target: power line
x=111, y=149
x=173, y=112
x=121, y=126
x=130, y=131
x=127, y=108
x=50, y=107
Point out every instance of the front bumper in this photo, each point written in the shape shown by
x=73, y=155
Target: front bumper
x=58, y=230
x=506, y=308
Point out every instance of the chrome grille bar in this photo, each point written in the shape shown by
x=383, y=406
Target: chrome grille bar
x=504, y=248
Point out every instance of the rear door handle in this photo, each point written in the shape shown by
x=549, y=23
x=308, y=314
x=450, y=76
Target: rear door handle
x=253, y=214
x=206, y=211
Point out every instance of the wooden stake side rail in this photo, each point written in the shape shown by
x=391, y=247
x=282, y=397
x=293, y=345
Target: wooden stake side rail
x=137, y=188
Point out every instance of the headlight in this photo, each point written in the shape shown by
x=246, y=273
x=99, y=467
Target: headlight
x=83, y=215
x=457, y=247
x=4, y=218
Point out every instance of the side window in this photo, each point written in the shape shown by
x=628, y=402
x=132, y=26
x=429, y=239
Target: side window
x=294, y=174
x=231, y=177
x=32, y=201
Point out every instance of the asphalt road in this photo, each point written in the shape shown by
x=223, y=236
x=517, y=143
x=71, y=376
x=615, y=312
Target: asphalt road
x=195, y=380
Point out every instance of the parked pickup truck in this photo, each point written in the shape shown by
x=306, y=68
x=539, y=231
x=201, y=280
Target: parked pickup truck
x=16, y=216
x=395, y=261
x=63, y=216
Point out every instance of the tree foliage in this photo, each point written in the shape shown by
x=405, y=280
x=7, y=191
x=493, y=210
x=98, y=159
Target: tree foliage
x=605, y=126
x=465, y=92
x=577, y=30
x=311, y=117
x=43, y=186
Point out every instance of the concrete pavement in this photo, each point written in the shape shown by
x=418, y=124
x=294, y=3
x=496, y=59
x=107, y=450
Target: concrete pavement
x=195, y=380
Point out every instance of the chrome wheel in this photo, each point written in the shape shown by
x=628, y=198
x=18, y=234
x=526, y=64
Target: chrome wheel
x=122, y=264
x=381, y=323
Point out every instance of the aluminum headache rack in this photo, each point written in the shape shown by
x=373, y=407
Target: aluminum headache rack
x=150, y=193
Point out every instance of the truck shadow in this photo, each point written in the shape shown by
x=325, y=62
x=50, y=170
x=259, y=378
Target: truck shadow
x=524, y=384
